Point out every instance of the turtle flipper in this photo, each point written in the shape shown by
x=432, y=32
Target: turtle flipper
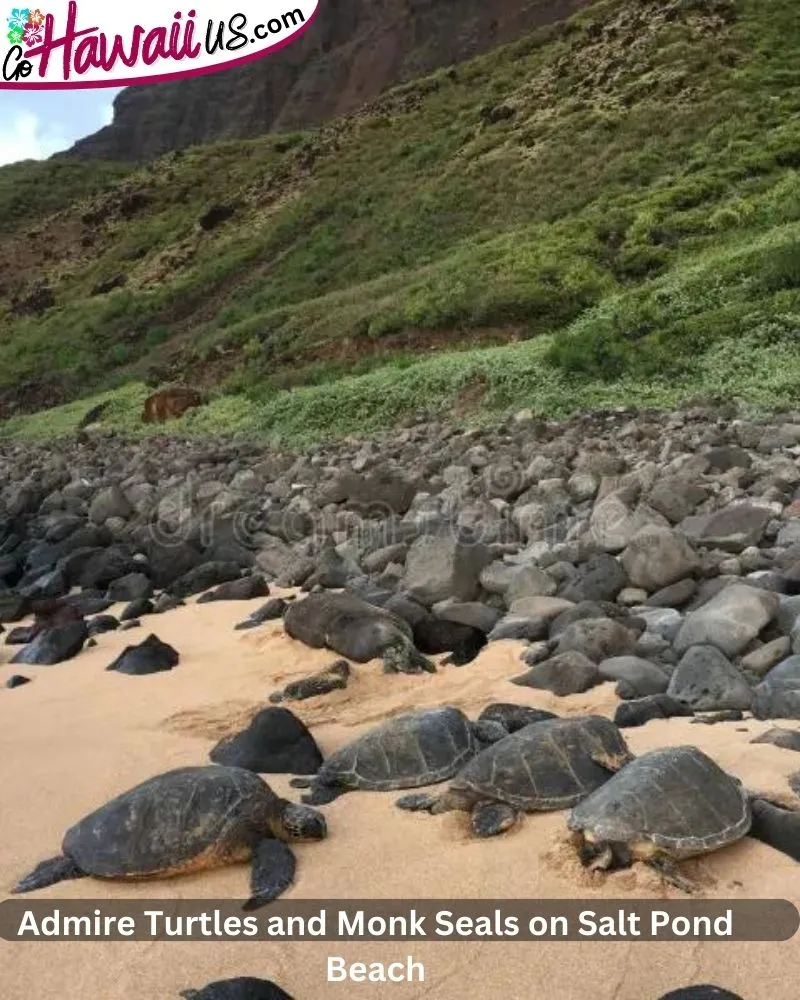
x=321, y=795
x=301, y=782
x=488, y=731
x=48, y=873
x=417, y=802
x=490, y=818
x=671, y=873
x=272, y=872
x=611, y=762
x=776, y=826
x=406, y=659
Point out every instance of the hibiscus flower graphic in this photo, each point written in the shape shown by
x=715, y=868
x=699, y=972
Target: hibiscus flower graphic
x=33, y=34
x=36, y=17
x=15, y=36
x=18, y=19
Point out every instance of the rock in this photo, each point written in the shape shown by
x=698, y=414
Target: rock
x=637, y=677
x=712, y=718
x=733, y=528
x=519, y=627
x=673, y=596
x=473, y=613
x=54, y=645
x=166, y=602
x=149, y=657
x=730, y=621
x=786, y=739
x=275, y=742
x=676, y=498
x=707, y=681
x=110, y=502
x=601, y=578
x=332, y=678
x=778, y=699
x=566, y=673
x=762, y=660
x=104, y=567
x=597, y=638
x=21, y=635
x=434, y=635
x=657, y=557
x=246, y=588
x=529, y=581
x=102, y=623
x=640, y=711
x=441, y=566
x=17, y=680
x=727, y=457
x=13, y=607
x=136, y=609
x=132, y=587
x=613, y=523
x=205, y=577
x=274, y=608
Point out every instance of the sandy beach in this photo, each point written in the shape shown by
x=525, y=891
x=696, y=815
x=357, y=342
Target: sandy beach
x=78, y=735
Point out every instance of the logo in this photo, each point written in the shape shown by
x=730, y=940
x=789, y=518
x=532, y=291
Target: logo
x=96, y=44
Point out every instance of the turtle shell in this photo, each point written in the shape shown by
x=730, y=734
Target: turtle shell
x=676, y=799
x=170, y=821
x=546, y=765
x=408, y=751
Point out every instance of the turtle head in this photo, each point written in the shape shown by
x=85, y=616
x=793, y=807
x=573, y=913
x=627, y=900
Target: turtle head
x=303, y=823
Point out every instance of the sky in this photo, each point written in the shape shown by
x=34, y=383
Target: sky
x=36, y=124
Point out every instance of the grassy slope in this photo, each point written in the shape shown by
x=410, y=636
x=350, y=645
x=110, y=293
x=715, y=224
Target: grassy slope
x=639, y=206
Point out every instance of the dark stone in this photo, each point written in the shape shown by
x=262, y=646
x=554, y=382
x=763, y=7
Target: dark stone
x=246, y=588
x=786, y=739
x=204, y=578
x=106, y=566
x=21, y=635
x=136, y=609
x=133, y=587
x=673, y=596
x=54, y=645
x=642, y=710
x=436, y=635
x=102, y=623
x=566, y=673
x=601, y=578
x=13, y=607
x=17, y=680
x=274, y=608
x=275, y=742
x=149, y=657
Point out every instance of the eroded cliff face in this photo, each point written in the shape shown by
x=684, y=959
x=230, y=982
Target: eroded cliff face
x=352, y=51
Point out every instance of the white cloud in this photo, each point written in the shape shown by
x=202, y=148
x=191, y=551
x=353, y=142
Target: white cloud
x=25, y=137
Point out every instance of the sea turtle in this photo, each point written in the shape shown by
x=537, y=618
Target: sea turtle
x=240, y=988
x=703, y=992
x=186, y=820
x=546, y=765
x=357, y=630
x=664, y=806
x=777, y=825
x=408, y=751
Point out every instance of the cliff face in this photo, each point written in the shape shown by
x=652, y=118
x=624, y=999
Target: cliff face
x=353, y=50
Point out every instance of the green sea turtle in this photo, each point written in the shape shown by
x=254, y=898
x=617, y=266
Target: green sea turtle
x=664, y=806
x=186, y=820
x=408, y=751
x=546, y=765
x=357, y=630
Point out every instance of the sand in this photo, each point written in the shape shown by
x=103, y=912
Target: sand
x=78, y=735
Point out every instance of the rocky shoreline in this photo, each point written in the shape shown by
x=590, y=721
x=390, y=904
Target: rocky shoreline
x=658, y=550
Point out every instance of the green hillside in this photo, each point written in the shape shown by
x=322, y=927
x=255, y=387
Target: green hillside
x=604, y=212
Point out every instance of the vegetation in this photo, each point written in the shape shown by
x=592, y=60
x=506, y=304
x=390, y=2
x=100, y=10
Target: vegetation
x=619, y=193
